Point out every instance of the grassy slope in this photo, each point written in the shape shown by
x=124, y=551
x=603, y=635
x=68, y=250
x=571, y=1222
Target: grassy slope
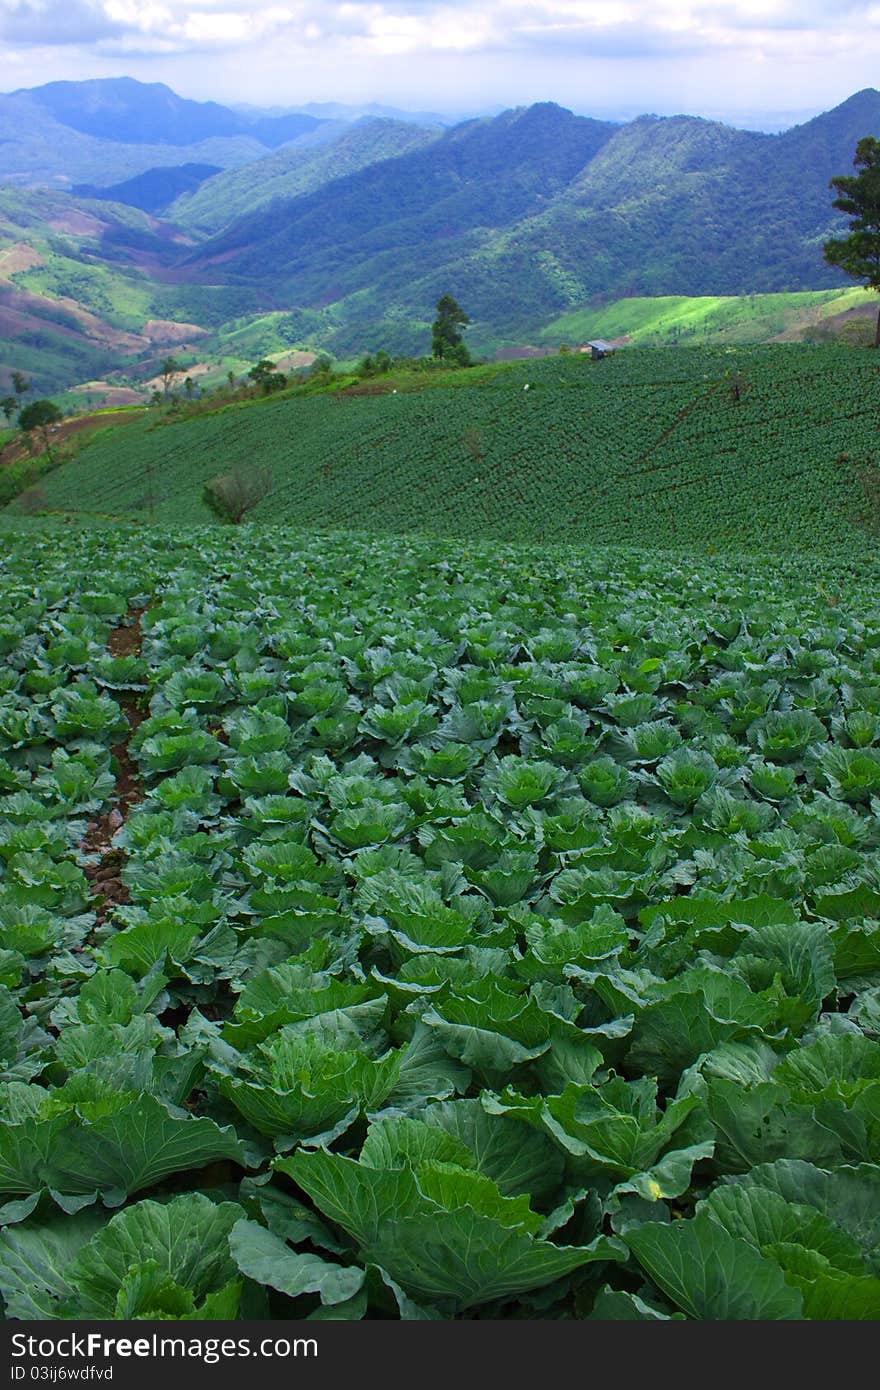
x=78, y=310
x=648, y=447
x=708, y=318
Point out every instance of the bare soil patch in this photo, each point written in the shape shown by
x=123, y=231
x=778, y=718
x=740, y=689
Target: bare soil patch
x=24, y=311
x=110, y=395
x=18, y=258
x=828, y=322
x=160, y=331
x=196, y=370
x=292, y=360
x=75, y=223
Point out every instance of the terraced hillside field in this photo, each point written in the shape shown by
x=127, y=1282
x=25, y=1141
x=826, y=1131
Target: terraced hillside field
x=766, y=446
x=410, y=928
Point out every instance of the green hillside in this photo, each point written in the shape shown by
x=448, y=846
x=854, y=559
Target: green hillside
x=647, y=447
x=83, y=293
x=290, y=172
x=707, y=318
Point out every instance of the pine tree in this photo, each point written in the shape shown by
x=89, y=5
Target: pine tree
x=859, y=253
x=446, y=339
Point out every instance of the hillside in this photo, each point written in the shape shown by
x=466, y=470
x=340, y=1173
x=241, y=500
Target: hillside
x=83, y=294
x=65, y=317
x=811, y=315
x=152, y=191
x=295, y=171
x=648, y=447
x=384, y=243
x=38, y=150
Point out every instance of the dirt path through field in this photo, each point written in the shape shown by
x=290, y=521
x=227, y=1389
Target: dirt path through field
x=104, y=873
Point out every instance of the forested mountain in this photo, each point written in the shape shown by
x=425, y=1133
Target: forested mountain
x=538, y=210
x=344, y=239
x=295, y=171
x=154, y=190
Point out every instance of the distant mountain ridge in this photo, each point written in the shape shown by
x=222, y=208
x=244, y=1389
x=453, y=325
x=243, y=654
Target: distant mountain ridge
x=133, y=113
x=105, y=131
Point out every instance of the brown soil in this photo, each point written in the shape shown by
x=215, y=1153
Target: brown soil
x=291, y=360
x=196, y=370
x=105, y=875
x=167, y=231
x=110, y=395
x=20, y=316
x=126, y=639
x=25, y=311
x=17, y=448
x=829, y=322
x=161, y=331
x=17, y=258
x=78, y=224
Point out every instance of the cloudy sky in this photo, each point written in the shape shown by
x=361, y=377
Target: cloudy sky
x=760, y=62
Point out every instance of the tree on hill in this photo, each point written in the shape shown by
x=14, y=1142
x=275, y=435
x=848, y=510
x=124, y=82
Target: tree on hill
x=446, y=339
x=322, y=368
x=20, y=384
x=169, y=371
x=859, y=253
x=9, y=405
x=375, y=364
x=36, y=418
x=266, y=375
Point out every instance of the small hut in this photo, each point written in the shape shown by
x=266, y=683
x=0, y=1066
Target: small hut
x=599, y=349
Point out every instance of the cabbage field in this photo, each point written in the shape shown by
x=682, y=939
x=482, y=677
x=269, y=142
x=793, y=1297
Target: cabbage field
x=758, y=446
x=405, y=928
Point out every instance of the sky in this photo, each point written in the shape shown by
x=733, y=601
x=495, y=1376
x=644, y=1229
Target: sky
x=761, y=63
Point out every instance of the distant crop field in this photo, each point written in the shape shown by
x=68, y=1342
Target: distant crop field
x=395, y=927
x=764, y=446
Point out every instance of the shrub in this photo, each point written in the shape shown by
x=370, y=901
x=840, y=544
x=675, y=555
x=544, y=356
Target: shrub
x=230, y=496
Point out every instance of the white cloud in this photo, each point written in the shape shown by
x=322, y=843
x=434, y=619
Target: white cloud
x=410, y=25
x=797, y=53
